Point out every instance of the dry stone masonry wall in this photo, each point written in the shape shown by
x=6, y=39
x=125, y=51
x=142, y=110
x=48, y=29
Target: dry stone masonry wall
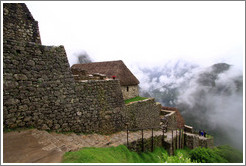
x=18, y=23
x=39, y=90
x=104, y=103
x=130, y=91
x=147, y=146
x=193, y=141
x=143, y=114
x=172, y=120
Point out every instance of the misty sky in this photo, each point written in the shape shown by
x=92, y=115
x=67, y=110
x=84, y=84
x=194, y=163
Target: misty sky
x=145, y=33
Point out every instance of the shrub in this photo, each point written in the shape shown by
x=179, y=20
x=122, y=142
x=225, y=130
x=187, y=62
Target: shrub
x=179, y=157
x=206, y=155
x=230, y=154
x=220, y=154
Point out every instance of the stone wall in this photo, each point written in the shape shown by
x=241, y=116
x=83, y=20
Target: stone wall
x=136, y=145
x=18, y=23
x=130, y=91
x=179, y=119
x=172, y=120
x=193, y=141
x=170, y=117
x=158, y=141
x=38, y=88
x=143, y=114
x=39, y=91
x=102, y=105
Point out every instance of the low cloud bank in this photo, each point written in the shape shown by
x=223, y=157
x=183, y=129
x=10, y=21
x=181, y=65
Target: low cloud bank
x=208, y=98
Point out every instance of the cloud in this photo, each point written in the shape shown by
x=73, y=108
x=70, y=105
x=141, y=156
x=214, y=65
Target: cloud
x=209, y=98
x=168, y=31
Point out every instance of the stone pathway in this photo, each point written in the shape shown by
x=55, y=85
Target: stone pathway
x=73, y=142
x=38, y=146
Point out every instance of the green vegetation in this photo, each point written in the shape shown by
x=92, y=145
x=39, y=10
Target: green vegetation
x=138, y=98
x=220, y=154
x=206, y=155
x=209, y=136
x=5, y=130
x=120, y=154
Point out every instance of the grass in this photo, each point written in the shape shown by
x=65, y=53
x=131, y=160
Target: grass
x=6, y=130
x=120, y=154
x=209, y=136
x=138, y=98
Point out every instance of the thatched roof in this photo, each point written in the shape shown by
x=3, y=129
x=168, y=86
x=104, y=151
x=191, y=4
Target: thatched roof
x=110, y=68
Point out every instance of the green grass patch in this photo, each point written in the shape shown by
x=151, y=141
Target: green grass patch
x=121, y=154
x=138, y=98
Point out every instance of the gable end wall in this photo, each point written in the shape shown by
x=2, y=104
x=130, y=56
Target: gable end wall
x=133, y=91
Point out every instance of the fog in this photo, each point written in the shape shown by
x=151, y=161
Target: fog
x=215, y=105
x=209, y=98
x=147, y=33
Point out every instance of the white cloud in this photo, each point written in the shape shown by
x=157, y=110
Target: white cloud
x=145, y=32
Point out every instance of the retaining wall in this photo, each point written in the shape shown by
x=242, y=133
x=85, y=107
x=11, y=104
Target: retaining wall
x=39, y=91
x=102, y=105
x=158, y=141
x=193, y=141
x=143, y=114
x=171, y=117
x=136, y=146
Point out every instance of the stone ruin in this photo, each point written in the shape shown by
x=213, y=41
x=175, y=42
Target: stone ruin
x=39, y=89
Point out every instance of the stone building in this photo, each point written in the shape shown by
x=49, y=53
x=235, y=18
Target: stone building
x=129, y=83
x=39, y=89
x=19, y=24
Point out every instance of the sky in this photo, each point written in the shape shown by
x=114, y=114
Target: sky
x=145, y=33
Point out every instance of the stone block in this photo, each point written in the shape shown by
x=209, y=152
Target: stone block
x=20, y=77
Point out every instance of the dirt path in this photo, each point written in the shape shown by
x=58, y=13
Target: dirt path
x=36, y=146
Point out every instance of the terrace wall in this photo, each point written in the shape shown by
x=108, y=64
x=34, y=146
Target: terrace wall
x=39, y=91
x=143, y=114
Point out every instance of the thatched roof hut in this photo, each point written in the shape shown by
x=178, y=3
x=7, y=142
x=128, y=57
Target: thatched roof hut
x=110, y=69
